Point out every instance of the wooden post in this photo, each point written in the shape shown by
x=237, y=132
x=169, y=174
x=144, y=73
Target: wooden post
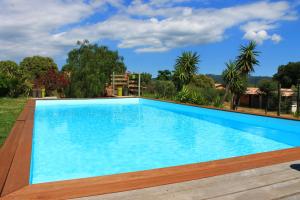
x=260, y=101
x=113, y=84
x=279, y=99
x=298, y=98
x=267, y=103
x=139, y=94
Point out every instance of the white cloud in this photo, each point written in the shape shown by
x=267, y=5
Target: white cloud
x=51, y=27
x=258, y=32
x=276, y=38
x=27, y=26
x=260, y=36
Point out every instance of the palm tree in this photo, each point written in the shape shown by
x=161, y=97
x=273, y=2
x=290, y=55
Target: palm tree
x=235, y=76
x=186, y=67
x=247, y=58
x=235, y=83
x=228, y=76
x=238, y=87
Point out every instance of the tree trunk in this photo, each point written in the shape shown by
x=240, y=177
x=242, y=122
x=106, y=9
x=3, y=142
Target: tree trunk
x=298, y=99
x=279, y=100
x=226, y=93
x=267, y=103
x=232, y=102
x=237, y=102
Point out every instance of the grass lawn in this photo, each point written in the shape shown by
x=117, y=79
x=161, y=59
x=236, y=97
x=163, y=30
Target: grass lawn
x=10, y=109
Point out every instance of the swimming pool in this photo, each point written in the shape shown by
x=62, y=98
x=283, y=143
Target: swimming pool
x=85, y=138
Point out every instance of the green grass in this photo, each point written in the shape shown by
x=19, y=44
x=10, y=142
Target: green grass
x=10, y=109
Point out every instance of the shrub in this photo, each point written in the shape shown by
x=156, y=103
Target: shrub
x=4, y=85
x=202, y=81
x=53, y=81
x=218, y=102
x=200, y=96
x=164, y=89
x=190, y=95
x=13, y=81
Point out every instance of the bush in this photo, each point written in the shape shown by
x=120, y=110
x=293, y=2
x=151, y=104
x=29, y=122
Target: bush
x=4, y=85
x=187, y=95
x=53, y=81
x=200, y=96
x=164, y=89
x=218, y=102
x=160, y=89
x=202, y=81
x=13, y=82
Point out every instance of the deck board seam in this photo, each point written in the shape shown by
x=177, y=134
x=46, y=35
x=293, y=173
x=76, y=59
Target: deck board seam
x=241, y=177
x=250, y=189
x=286, y=196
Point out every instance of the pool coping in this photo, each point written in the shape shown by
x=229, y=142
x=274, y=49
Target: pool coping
x=15, y=158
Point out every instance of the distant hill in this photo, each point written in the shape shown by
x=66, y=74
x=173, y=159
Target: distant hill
x=253, y=80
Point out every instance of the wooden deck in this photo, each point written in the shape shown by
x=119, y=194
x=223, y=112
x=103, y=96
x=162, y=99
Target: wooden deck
x=279, y=181
x=15, y=155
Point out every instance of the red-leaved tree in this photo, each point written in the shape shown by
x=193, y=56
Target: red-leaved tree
x=53, y=80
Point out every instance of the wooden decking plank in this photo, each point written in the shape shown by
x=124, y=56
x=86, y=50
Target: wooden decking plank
x=295, y=196
x=31, y=103
x=218, y=189
x=23, y=114
x=270, y=192
x=18, y=175
x=7, y=152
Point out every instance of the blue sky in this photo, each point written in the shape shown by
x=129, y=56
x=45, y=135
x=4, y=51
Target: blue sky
x=150, y=34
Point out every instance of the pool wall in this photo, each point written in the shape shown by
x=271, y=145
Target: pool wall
x=15, y=158
x=265, y=121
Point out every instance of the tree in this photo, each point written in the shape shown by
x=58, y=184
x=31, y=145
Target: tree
x=8, y=76
x=238, y=88
x=90, y=67
x=36, y=66
x=288, y=74
x=185, y=68
x=228, y=76
x=241, y=69
x=12, y=81
x=267, y=86
x=145, y=78
x=164, y=75
x=246, y=61
x=235, y=83
x=164, y=89
x=202, y=81
x=52, y=80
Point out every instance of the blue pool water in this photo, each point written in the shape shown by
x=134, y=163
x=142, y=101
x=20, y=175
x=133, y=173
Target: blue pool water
x=85, y=138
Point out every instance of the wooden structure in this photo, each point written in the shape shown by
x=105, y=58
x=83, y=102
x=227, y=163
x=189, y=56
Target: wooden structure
x=220, y=86
x=130, y=84
x=15, y=157
x=252, y=98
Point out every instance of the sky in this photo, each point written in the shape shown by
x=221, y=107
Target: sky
x=151, y=34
